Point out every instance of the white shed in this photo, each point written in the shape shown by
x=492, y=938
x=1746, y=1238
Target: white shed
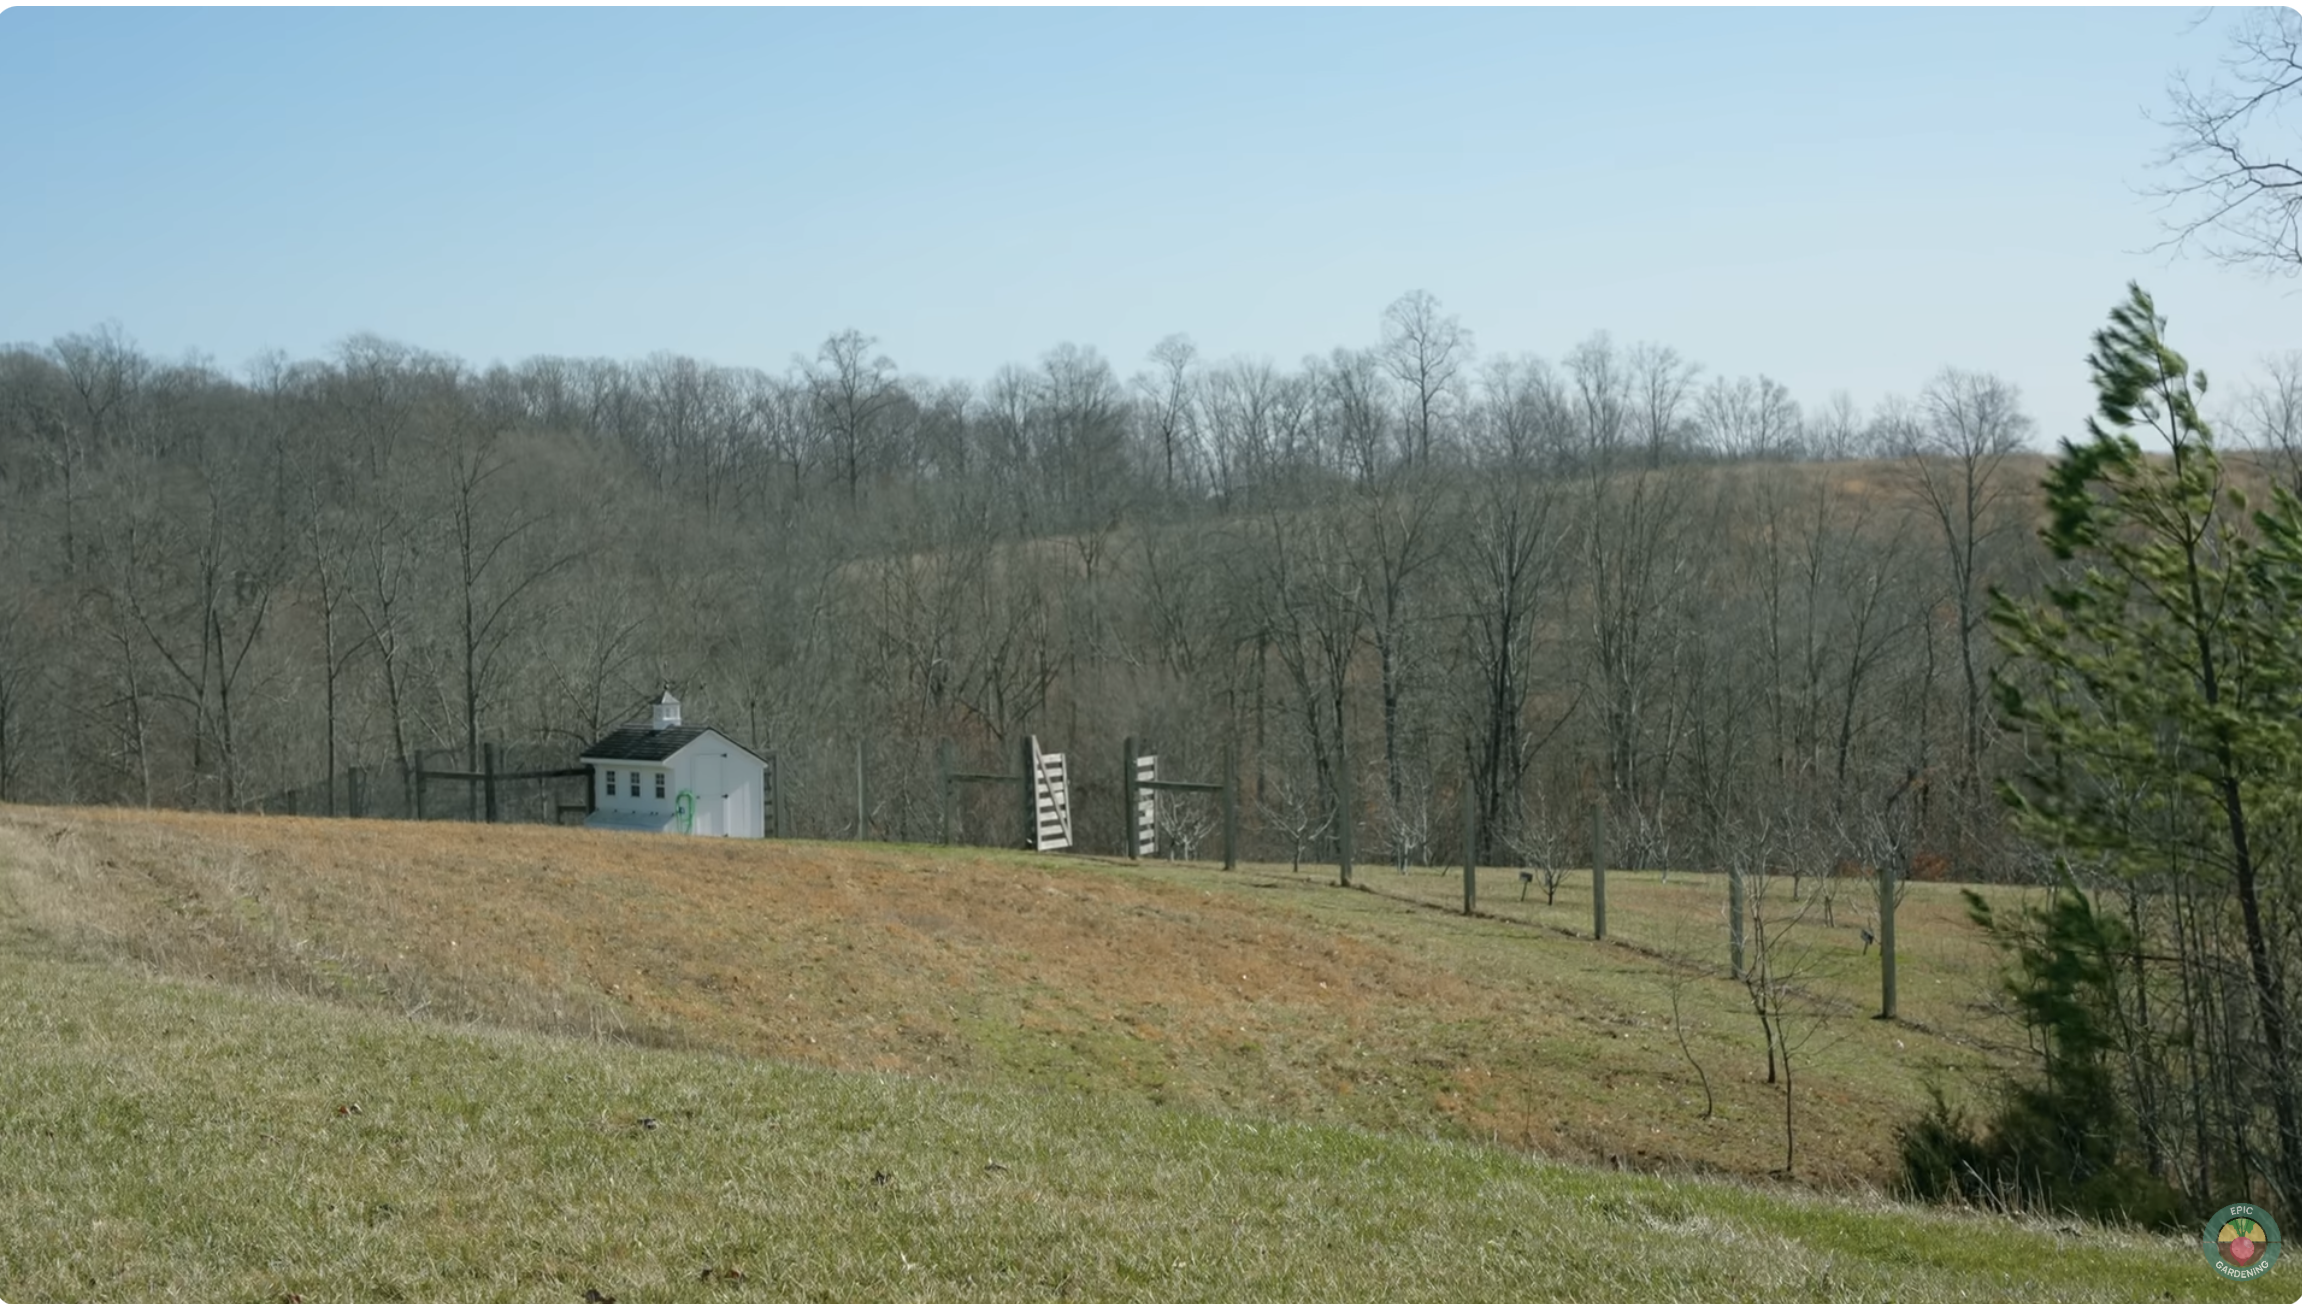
x=668, y=777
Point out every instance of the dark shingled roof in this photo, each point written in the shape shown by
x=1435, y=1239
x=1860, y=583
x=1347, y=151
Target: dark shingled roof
x=638, y=742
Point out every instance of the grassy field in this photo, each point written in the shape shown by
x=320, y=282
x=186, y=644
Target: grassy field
x=1260, y=994
x=173, y=1139
x=258, y=1058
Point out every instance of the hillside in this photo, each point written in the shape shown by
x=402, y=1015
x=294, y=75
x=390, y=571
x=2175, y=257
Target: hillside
x=1259, y=995
x=174, y=1140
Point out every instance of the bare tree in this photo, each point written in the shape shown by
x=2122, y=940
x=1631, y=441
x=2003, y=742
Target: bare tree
x=1397, y=538
x=2269, y=418
x=1184, y=819
x=1662, y=384
x=1785, y=961
x=1749, y=418
x=1083, y=427
x=1602, y=398
x=20, y=660
x=103, y=376
x=1534, y=839
x=853, y=391
x=1511, y=548
x=1258, y=427
x=1973, y=422
x=1427, y=352
x=500, y=541
x=1299, y=811
x=1407, y=822
x=1643, y=547
x=1170, y=406
x=1354, y=405
x=1834, y=431
x=1311, y=594
x=2234, y=182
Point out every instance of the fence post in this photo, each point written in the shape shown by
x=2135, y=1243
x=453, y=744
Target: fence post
x=1470, y=851
x=1231, y=806
x=943, y=769
x=1599, y=871
x=1886, y=938
x=488, y=778
x=1028, y=767
x=1127, y=790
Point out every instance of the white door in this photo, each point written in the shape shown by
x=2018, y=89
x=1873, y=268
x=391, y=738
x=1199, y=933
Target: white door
x=742, y=799
x=710, y=806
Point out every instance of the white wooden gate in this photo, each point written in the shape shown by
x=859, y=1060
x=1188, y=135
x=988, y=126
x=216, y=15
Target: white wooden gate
x=1146, y=806
x=1051, y=799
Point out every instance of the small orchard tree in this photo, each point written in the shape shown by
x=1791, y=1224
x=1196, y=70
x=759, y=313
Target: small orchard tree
x=1295, y=811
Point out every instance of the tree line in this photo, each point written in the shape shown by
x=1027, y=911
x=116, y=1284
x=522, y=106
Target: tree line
x=1431, y=571
x=1388, y=581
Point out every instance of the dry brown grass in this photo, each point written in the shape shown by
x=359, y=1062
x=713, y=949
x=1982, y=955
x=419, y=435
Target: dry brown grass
x=1253, y=994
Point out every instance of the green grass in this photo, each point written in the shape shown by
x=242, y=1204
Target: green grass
x=1261, y=995
x=170, y=1139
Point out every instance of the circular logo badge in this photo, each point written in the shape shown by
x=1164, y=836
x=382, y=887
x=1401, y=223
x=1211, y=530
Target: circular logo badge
x=2241, y=1242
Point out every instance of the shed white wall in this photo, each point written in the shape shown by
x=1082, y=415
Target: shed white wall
x=622, y=801
x=729, y=784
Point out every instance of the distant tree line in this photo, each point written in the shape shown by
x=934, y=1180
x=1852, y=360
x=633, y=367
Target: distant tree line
x=1403, y=567
x=1386, y=581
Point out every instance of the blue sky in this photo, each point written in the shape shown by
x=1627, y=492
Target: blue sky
x=1841, y=199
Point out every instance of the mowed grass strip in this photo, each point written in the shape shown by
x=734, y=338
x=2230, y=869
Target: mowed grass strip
x=1261, y=994
x=170, y=1139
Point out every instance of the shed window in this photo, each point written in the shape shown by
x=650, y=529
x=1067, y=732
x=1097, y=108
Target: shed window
x=659, y=785
x=611, y=783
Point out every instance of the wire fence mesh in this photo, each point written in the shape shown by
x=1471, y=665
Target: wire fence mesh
x=525, y=790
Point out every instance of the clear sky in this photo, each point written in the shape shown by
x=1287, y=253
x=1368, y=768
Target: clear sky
x=1842, y=199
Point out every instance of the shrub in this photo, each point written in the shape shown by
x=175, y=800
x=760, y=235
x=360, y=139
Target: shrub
x=2061, y=1140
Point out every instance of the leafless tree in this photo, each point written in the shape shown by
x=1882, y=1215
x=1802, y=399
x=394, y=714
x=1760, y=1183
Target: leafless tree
x=2269, y=418
x=1354, y=403
x=1427, y=353
x=1786, y=960
x=503, y=544
x=1662, y=387
x=1169, y=396
x=1749, y=418
x=1835, y=431
x=1512, y=541
x=1602, y=399
x=852, y=391
x=1973, y=424
x=2233, y=187
x=1535, y=840
x=1299, y=812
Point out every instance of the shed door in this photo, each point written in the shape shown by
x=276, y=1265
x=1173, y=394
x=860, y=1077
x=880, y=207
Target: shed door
x=710, y=808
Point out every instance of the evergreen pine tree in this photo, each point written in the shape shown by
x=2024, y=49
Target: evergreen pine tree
x=2163, y=675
